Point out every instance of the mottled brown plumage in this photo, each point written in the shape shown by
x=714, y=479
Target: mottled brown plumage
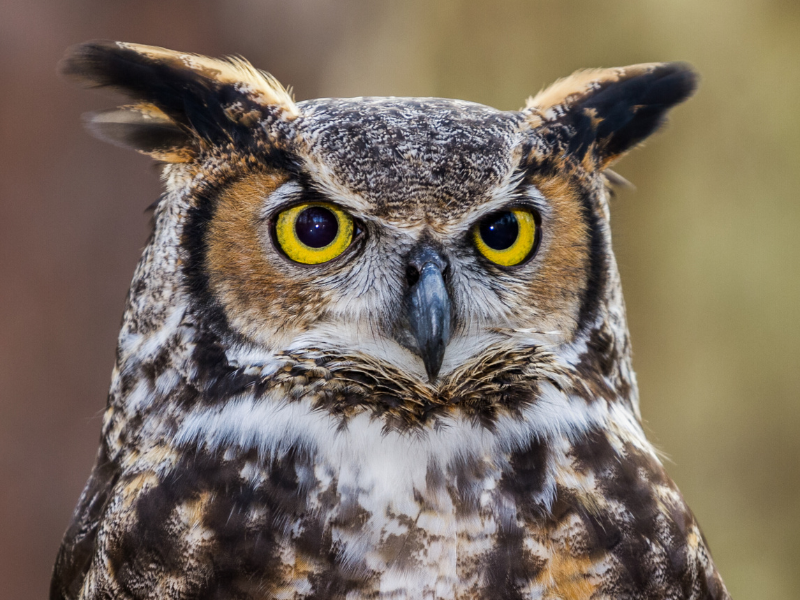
x=413, y=416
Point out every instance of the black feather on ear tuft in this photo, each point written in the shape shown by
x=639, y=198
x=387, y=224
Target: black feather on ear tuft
x=182, y=99
x=609, y=111
x=633, y=109
x=144, y=129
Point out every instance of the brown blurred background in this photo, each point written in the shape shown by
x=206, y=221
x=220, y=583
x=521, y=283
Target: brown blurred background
x=708, y=245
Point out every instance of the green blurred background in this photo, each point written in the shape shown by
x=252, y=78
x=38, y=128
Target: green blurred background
x=707, y=245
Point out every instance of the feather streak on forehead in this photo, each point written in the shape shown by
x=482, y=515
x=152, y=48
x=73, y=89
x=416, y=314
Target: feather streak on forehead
x=409, y=152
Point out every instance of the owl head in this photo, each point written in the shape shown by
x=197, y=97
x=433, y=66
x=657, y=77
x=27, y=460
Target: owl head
x=413, y=243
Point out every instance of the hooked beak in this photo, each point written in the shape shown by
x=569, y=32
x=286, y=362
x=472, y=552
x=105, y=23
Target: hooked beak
x=428, y=308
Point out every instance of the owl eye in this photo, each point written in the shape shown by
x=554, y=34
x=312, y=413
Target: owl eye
x=507, y=237
x=313, y=233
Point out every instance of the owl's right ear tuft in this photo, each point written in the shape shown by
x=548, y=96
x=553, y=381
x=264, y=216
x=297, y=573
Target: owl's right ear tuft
x=182, y=101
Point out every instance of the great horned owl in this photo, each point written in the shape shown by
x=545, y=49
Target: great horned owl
x=376, y=348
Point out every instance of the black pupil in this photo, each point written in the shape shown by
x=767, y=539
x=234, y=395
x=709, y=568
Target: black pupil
x=499, y=231
x=316, y=227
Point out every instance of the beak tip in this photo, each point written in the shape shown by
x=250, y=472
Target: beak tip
x=433, y=362
x=432, y=374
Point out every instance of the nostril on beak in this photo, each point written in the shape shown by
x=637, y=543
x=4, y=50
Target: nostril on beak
x=412, y=275
x=421, y=259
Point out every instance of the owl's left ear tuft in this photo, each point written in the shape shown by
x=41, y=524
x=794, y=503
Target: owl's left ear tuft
x=599, y=114
x=182, y=101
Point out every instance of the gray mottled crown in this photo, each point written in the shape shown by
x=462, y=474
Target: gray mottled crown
x=404, y=149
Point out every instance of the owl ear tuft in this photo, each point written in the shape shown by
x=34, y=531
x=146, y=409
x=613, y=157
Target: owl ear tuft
x=182, y=101
x=599, y=114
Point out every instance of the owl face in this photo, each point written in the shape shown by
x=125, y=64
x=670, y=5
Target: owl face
x=419, y=232
x=436, y=239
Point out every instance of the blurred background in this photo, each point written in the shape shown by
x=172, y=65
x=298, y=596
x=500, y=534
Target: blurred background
x=708, y=244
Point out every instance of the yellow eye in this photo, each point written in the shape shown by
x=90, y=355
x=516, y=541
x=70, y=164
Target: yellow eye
x=507, y=237
x=313, y=233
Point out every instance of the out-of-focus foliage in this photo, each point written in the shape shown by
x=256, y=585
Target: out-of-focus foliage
x=708, y=246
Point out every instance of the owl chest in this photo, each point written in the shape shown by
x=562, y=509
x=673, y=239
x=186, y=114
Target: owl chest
x=289, y=505
x=356, y=510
